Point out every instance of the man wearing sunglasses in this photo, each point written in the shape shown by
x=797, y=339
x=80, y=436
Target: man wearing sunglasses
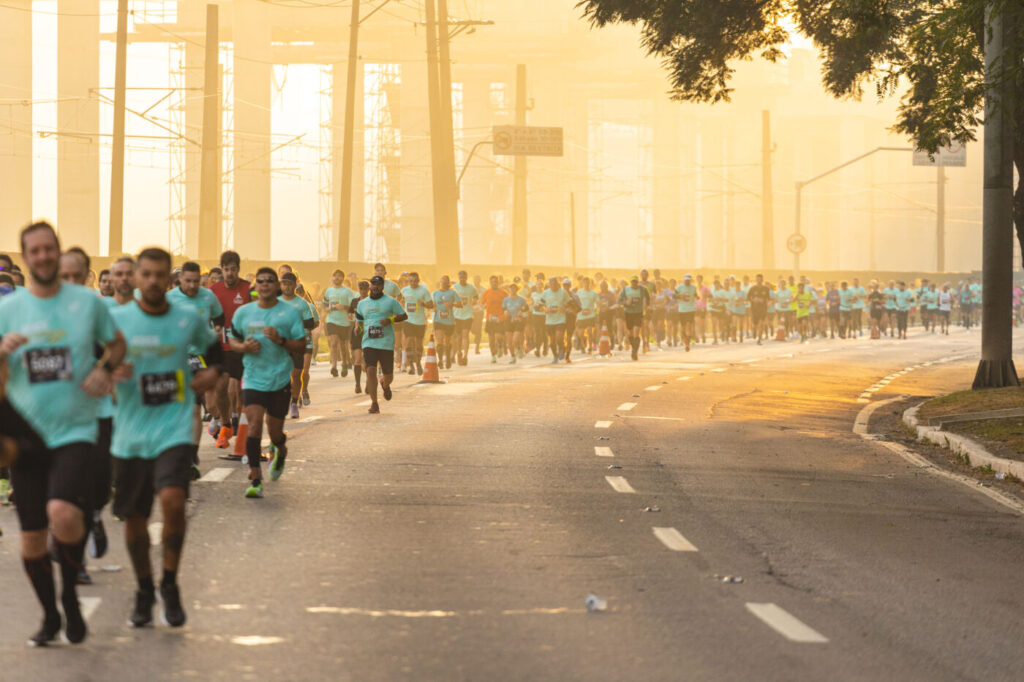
x=265, y=333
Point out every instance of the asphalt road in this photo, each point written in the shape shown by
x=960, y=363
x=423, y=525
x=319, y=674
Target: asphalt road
x=456, y=535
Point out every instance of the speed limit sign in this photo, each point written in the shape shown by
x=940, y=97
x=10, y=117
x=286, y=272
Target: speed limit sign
x=796, y=243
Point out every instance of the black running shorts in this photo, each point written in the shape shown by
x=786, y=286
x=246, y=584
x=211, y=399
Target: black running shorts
x=385, y=359
x=42, y=474
x=138, y=480
x=274, y=402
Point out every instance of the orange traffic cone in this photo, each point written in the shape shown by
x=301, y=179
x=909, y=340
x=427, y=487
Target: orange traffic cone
x=430, y=375
x=243, y=432
x=605, y=345
x=875, y=334
x=780, y=333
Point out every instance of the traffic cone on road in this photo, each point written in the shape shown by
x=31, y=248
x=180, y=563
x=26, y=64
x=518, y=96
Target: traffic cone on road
x=430, y=375
x=780, y=333
x=243, y=433
x=875, y=334
x=605, y=346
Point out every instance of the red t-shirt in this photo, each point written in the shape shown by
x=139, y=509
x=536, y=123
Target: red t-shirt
x=231, y=300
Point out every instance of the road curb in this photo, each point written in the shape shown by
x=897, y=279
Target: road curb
x=961, y=445
x=860, y=427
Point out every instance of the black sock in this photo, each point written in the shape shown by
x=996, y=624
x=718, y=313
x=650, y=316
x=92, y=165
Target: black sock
x=170, y=578
x=70, y=566
x=359, y=371
x=234, y=423
x=146, y=584
x=40, y=574
x=252, y=451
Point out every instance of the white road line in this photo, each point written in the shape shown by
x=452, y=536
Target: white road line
x=626, y=407
x=365, y=403
x=786, y=624
x=718, y=369
x=667, y=419
x=156, y=530
x=603, y=425
x=753, y=360
x=216, y=475
x=88, y=606
x=786, y=355
x=314, y=418
x=674, y=540
x=863, y=400
x=653, y=388
x=684, y=378
x=603, y=451
x=620, y=484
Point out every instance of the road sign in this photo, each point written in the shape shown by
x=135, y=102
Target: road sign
x=955, y=154
x=528, y=141
x=796, y=243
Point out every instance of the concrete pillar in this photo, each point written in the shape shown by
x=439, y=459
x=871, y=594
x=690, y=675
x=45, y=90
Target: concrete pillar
x=339, y=77
x=15, y=120
x=192, y=13
x=252, y=79
x=78, y=123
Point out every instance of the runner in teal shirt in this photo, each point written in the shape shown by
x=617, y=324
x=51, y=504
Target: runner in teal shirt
x=416, y=299
x=269, y=368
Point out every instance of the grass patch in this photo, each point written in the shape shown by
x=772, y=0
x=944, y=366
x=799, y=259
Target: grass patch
x=1003, y=437
x=973, y=401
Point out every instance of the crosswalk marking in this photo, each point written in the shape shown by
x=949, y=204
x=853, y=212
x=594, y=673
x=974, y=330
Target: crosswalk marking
x=602, y=451
x=626, y=407
x=216, y=475
x=603, y=425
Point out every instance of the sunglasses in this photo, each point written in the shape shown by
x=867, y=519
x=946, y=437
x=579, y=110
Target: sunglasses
x=265, y=280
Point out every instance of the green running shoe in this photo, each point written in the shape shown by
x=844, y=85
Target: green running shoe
x=277, y=465
x=255, y=491
x=5, y=491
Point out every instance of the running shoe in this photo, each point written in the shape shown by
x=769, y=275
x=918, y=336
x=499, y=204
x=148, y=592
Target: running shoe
x=344, y=370
x=374, y=409
x=196, y=472
x=334, y=371
x=84, y=578
x=5, y=491
x=98, y=540
x=47, y=632
x=512, y=361
x=142, y=614
x=74, y=624
x=255, y=491
x=387, y=392
x=305, y=398
x=173, y=613
x=214, y=428
x=359, y=389
x=294, y=411
x=277, y=464
x=224, y=439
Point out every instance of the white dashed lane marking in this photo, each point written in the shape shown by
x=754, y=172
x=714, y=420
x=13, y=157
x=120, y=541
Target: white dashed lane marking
x=674, y=540
x=626, y=407
x=602, y=451
x=684, y=378
x=603, y=425
x=216, y=475
x=786, y=624
x=620, y=484
x=89, y=605
x=653, y=388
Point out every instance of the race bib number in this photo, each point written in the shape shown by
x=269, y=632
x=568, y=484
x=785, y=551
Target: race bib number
x=634, y=301
x=161, y=388
x=48, y=364
x=375, y=332
x=411, y=306
x=196, y=363
x=495, y=318
x=444, y=314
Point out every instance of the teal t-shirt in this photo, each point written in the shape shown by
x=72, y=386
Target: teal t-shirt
x=204, y=302
x=588, y=303
x=270, y=369
x=376, y=335
x=904, y=299
x=930, y=300
x=106, y=409
x=515, y=306
x=444, y=306
x=861, y=295
x=554, y=303
x=46, y=373
x=846, y=300
x=720, y=299
x=391, y=289
x=305, y=311
x=890, y=298
x=468, y=293
x=633, y=298
x=414, y=300
x=154, y=407
x=344, y=296
x=686, y=297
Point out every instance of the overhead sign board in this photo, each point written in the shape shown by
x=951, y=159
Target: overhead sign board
x=528, y=141
x=953, y=155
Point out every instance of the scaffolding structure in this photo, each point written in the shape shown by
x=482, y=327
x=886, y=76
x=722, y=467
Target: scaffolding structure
x=227, y=145
x=177, y=209
x=325, y=166
x=382, y=162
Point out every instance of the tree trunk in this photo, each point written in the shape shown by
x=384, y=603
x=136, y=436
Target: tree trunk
x=996, y=368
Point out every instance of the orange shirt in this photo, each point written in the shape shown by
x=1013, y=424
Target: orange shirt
x=492, y=300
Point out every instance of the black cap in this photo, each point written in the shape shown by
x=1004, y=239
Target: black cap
x=289, y=277
x=377, y=279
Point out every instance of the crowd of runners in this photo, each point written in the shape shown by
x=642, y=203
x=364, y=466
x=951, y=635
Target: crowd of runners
x=104, y=391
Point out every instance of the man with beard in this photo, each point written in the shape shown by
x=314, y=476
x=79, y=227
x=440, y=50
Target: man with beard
x=48, y=338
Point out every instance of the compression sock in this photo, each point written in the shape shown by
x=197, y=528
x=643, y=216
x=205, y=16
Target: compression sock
x=170, y=578
x=358, y=369
x=70, y=566
x=40, y=574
